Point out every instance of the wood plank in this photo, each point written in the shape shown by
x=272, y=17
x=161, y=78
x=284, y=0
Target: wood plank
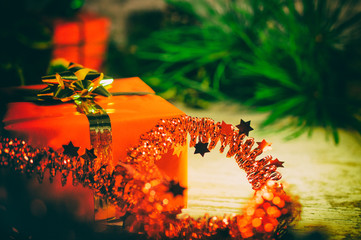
x=326, y=177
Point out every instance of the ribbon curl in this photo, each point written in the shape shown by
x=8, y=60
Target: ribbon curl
x=75, y=83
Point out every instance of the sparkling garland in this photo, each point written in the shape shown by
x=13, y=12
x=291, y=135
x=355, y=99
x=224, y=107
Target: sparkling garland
x=148, y=201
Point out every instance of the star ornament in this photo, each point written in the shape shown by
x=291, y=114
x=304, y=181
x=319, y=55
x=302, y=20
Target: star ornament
x=277, y=163
x=264, y=145
x=175, y=188
x=244, y=127
x=226, y=129
x=89, y=155
x=178, y=149
x=201, y=148
x=70, y=150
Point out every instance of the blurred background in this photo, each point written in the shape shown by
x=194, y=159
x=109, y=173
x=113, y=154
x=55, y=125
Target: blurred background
x=291, y=58
x=288, y=65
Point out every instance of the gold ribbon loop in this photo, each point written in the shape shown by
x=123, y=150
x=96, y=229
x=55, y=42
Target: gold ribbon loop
x=81, y=85
x=75, y=83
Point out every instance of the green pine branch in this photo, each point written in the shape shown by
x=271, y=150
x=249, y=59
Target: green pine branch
x=290, y=58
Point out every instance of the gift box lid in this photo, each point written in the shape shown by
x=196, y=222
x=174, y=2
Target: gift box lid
x=56, y=124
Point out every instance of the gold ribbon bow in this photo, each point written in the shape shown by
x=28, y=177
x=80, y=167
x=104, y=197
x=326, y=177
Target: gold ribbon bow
x=75, y=83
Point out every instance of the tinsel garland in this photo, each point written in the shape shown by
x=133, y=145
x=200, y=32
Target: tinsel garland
x=145, y=197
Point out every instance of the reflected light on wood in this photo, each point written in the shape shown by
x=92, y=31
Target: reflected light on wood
x=217, y=185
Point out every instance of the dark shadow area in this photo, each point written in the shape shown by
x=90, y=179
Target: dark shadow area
x=26, y=38
x=26, y=215
x=316, y=233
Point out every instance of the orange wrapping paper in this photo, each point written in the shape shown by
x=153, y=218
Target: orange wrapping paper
x=130, y=116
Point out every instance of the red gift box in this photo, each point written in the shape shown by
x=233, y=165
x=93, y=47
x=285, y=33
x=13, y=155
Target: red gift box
x=56, y=125
x=82, y=40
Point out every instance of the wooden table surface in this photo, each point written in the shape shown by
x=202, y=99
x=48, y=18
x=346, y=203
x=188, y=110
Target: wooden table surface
x=326, y=177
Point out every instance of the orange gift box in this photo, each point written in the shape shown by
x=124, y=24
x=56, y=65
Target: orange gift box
x=56, y=125
x=82, y=40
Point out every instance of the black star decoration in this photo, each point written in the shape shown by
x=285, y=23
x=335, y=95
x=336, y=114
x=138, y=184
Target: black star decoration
x=201, y=148
x=175, y=188
x=89, y=155
x=277, y=163
x=70, y=150
x=244, y=127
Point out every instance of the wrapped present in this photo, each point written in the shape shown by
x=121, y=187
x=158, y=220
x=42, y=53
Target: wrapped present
x=82, y=39
x=130, y=111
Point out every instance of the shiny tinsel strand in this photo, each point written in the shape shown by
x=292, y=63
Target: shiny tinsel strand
x=144, y=196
